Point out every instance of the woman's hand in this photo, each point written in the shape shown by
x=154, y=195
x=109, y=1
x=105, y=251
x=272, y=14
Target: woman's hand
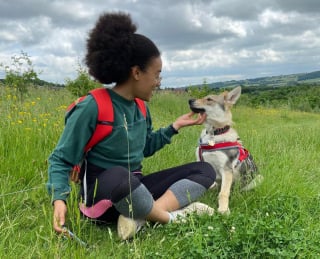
x=59, y=215
x=189, y=119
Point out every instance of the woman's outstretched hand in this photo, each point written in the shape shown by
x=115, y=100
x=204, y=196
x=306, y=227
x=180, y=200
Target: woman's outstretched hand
x=189, y=119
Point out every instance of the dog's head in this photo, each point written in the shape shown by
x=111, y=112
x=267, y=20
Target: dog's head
x=217, y=107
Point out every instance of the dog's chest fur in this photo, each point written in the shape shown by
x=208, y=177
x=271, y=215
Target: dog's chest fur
x=220, y=159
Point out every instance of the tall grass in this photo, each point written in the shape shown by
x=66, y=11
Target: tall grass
x=280, y=219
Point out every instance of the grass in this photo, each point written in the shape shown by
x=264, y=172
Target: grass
x=280, y=219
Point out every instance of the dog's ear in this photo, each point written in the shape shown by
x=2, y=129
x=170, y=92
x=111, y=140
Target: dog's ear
x=233, y=96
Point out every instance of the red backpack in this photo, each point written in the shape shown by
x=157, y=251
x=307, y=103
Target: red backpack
x=104, y=121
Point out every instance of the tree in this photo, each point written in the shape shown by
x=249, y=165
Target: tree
x=82, y=84
x=201, y=91
x=20, y=74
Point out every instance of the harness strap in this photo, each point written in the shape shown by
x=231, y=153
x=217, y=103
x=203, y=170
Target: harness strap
x=243, y=153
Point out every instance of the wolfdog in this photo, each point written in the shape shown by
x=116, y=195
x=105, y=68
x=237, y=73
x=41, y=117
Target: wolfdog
x=220, y=145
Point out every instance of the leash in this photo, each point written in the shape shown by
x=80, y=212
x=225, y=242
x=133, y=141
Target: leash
x=68, y=234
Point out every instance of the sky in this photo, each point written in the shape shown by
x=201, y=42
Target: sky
x=199, y=40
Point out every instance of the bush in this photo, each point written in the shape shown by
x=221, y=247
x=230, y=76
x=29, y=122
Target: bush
x=201, y=91
x=82, y=84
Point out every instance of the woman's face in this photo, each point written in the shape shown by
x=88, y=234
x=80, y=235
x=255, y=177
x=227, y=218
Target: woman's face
x=149, y=79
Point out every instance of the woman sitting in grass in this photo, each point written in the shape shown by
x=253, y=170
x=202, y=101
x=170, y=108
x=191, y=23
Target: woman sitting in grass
x=114, y=187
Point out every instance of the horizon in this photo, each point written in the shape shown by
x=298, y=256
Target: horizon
x=165, y=87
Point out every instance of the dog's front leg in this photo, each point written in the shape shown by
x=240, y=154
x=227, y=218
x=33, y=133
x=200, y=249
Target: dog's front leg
x=226, y=182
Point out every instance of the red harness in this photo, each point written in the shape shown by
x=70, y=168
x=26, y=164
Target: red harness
x=243, y=153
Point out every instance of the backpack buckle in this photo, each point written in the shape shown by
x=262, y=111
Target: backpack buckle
x=75, y=174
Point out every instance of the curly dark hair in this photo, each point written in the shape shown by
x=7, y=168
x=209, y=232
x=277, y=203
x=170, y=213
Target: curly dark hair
x=113, y=48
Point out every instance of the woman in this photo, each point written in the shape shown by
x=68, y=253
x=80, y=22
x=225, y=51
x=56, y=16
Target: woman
x=115, y=186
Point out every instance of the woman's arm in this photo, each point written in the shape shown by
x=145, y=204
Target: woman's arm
x=159, y=138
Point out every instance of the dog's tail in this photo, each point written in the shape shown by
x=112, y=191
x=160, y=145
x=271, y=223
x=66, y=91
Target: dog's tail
x=254, y=183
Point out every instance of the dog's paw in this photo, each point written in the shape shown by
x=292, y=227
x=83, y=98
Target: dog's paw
x=224, y=211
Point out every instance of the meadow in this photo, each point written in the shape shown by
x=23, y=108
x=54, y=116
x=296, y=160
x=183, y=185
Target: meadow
x=280, y=219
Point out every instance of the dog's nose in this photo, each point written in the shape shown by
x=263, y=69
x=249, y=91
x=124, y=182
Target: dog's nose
x=191, y=101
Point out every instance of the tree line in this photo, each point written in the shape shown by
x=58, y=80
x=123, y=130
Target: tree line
x=304, y=97
x=20, y=75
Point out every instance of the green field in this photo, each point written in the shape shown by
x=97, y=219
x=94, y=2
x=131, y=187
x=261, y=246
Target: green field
x=280, y=219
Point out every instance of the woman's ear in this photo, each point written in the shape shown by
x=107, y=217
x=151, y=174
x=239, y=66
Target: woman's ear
x=136, y=72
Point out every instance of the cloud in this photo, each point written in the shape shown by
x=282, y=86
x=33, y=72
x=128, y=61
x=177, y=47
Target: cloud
x=230, y=39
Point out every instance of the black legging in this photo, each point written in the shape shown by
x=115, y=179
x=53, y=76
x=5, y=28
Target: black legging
x=114, y=184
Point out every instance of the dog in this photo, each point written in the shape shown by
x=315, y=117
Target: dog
x=220, y=146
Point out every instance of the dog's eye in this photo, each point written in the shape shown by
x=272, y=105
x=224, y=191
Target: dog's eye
x=209, y=99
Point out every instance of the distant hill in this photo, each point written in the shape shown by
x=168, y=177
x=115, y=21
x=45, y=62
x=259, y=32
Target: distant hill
x=296, y=92
x=272, y=81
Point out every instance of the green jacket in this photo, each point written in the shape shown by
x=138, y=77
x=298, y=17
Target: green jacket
x=131, y=140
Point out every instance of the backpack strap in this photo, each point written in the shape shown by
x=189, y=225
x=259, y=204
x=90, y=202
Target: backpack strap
x=142, y=106
x=105, y=121
x=105, y=117
x=72, y=105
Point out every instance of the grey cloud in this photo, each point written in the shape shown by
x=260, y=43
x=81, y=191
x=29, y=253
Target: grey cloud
x=306, y=6
x=249, y=10
x=25, y=33
x=61, y=13
x=21, y=10
x=198, y=38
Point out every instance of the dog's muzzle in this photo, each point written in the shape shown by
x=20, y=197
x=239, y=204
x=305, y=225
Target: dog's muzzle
x=195, y=109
